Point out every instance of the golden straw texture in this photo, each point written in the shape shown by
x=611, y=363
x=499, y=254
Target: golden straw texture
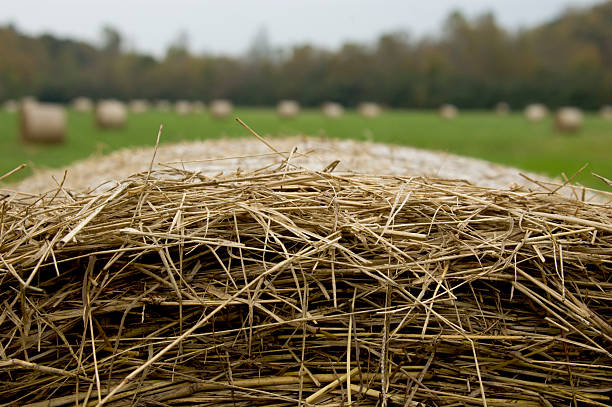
x=284, y=285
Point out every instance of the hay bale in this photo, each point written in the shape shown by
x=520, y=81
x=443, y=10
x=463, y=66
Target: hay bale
x=536, y=112
x=448, y=111
x=369, y=109
x=295, y=279
x=183, y=107
x=82, y=104
x=606, y=112
x=162, y=105
x=111, y=114
x=10, y=106
x=42, y=122
x=28, y=99
x=332, y=109
x=221, y=108
x=568, y=120
x=138, y=106
x=354, y=156
x=198, y=107
x=288, y=108
x=502, y=109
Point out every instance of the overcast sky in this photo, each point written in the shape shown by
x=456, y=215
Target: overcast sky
x=228, y=26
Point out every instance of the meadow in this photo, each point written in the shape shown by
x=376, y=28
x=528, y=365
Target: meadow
x=509, y=140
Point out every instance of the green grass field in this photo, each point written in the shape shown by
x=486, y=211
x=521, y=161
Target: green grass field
x=508, y=140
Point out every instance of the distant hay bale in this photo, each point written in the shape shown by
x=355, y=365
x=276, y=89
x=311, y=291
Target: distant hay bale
x=369, y=109
x=28, y=99
x=162, y=105
x=198, y=107
x=448, y=111
x=502, y=108
x=82, y=104
x=536, y=112
x=183, y=107
x=221, y=108
x=288, y=108
x=332, y=109
x=606, y=112
x=568, y=120
x=10, y=106
x=42, y=122
x=138, y=106
x=111, y=114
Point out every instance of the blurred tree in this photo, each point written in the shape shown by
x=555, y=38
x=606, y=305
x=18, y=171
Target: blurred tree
x=111, y=40
x=474, y=63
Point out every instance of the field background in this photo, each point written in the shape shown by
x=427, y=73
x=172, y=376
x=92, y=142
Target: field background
x=509, y=140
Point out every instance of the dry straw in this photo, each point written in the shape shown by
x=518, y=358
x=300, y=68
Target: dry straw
x=289, y=286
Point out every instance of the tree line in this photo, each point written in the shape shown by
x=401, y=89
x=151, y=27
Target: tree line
x=473, y=63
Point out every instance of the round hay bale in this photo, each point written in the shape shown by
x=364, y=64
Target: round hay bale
x=536, y=112
x=111, y=114
x=82, y=104
x=28, y=99
x=10, y=106
x=448, y=111
x=502, y=109
x=288, y=108
x=332, y=109
x=183, y=107
x=606, y=112
x=42, y=122
x=162, y=105
x=568, y=120
x=250, y=153
x=221, y=108
x=369, y=109
x=198, y=107
x=138, y=106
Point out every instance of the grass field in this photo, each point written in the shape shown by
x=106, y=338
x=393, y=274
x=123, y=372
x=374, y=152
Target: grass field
x=508, y=140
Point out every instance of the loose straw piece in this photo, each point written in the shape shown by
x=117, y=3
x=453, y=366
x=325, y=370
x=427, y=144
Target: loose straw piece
x=341, y=379
x=11, y=172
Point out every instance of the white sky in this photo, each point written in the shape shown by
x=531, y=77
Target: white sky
x=228, y=26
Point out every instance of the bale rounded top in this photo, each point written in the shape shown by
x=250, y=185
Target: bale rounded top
x=440, y=274
x=606, y=112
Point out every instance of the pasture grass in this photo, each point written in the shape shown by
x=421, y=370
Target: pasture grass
x=509, y=140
